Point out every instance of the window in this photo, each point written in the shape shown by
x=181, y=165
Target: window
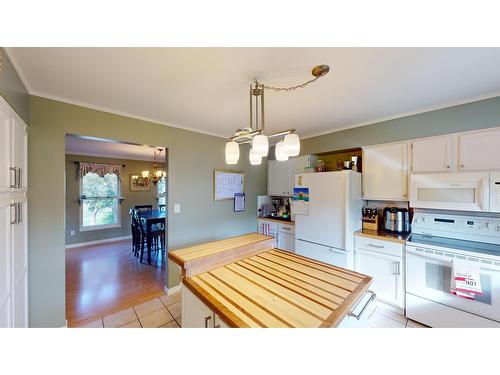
x=161, y=191
x=100, y=203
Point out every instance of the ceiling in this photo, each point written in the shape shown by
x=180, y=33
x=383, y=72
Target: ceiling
x=206, y=89
x=77, y=145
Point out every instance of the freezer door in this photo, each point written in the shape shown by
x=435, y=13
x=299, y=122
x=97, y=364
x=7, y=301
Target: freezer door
x=325, y=223
x=336, y=257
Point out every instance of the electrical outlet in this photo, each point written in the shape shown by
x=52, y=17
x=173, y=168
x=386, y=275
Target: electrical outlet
x=177, y=208
x=72, y=233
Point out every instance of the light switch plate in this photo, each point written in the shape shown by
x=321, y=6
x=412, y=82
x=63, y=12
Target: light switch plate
x=72, y=233
x=177, y=208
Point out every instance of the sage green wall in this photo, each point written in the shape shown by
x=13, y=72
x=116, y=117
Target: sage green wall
x=476, y=115
x=132, y=198
x=12, y=88
x=192, y=159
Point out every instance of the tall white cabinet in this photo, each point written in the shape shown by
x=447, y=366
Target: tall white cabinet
x=13, y=219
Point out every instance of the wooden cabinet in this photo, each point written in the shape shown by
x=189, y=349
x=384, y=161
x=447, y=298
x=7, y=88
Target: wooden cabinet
x=195, y=314
x=281, y=174
x=479, y=150
x=13, y=219
x=385, y=172
x=383, y=261
x=436, y=154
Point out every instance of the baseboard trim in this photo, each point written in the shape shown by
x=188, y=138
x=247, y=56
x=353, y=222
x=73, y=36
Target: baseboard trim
x=96, y=242
x=174, y=289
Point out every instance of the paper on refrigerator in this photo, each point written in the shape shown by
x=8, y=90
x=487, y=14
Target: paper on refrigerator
x=301, y=201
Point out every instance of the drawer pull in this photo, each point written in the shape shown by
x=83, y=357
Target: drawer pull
x=376, y=246
x=286, y=228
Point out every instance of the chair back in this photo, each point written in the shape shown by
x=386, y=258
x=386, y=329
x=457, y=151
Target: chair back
x=144, y=207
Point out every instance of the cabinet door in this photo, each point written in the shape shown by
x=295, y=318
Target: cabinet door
x=6, y=176
x=19, y=150
x=278, y=178
x=432, y=155
x=19, y=243
x=20, y=302
x=5, y=252
x=385, y=172
x=479, y=150
x=386, y=273
x=5, y=313
x=286, y=242
x=195, y=314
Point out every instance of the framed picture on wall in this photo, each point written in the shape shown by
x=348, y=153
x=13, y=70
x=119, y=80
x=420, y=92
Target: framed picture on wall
x=139, y=183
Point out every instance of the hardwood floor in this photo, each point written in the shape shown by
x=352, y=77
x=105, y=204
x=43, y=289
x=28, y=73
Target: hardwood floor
x=103, y=279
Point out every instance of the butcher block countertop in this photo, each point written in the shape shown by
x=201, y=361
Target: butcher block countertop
x=275, y=288
x=384, y=236
x=207, y=256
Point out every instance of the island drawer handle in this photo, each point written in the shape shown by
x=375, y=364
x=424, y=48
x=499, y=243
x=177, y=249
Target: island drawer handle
x=207, y=319
x=358, y=316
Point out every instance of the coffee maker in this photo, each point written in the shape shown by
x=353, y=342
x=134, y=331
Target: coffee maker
x=396, y=220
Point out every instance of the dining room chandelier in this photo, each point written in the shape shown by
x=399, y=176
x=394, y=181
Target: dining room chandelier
x=254, y=133
x=158, y=173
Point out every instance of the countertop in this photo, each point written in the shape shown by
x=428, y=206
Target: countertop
x=276, y=288
x=207, y=256
x=276, y=220
x=382, y=235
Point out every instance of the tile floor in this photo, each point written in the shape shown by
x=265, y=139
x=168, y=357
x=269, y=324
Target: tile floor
x=162, y=312
x=165, y=312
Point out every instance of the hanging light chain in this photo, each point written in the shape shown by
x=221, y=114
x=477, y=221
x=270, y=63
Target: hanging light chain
x=291, y=88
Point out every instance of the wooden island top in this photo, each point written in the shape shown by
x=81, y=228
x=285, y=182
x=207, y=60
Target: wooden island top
x=275, y=288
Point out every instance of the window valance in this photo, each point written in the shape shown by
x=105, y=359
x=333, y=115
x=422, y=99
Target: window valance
x=100, y=169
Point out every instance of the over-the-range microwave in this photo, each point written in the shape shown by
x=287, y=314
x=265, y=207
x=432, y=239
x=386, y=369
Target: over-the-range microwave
x=462, y=191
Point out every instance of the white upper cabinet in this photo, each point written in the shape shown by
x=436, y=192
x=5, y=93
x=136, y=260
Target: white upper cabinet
x=436, y=154
x=281, y=174
x=479, y=150
x=19, y=152
x=385, y=172
x=277, y=177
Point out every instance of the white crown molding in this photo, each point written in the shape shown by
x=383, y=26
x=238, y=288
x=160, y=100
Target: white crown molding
x=406, y=114
x=121, y=113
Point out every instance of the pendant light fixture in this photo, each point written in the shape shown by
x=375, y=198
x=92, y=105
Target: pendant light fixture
x=254, y=133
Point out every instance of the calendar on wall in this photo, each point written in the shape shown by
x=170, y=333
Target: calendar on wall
x=227, y=184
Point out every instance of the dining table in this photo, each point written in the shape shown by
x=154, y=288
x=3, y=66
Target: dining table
x=150, y=218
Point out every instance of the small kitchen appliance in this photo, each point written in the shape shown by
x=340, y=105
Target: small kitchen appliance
x=369, y=218
x=396, y=220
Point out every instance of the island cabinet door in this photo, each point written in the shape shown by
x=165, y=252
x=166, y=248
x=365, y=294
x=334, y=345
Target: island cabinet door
x=386, y=272
x=195, y=314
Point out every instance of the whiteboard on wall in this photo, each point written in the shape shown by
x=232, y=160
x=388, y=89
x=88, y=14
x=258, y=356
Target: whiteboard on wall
x=227, y=183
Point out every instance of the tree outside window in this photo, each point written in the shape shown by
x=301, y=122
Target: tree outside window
x=101, y=206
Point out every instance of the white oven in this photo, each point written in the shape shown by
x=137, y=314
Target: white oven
x=464, y=191
x=430, y=278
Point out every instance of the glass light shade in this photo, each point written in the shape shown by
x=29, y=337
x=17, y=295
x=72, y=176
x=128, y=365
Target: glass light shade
x=145, y=174
x=260, y=145
x=280, y=152
x=292, y=144
x=254, y=158
x=159, y=173
x=232, y=152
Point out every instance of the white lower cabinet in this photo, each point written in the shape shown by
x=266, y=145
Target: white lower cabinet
x=383, y=261
x=195, y=314
x=284, y=233
x=285, y=241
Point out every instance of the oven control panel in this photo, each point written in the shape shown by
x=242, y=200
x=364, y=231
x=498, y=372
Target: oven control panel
x=473, y=228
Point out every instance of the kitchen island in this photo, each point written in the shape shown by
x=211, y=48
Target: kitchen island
x=259, y=286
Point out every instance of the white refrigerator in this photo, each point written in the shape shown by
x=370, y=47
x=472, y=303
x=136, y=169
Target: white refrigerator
x=324, y=231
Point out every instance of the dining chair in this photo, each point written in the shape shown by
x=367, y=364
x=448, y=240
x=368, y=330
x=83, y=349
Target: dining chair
x=144, y=207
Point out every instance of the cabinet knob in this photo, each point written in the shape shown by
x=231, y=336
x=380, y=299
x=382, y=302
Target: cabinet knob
x=448, y=166
x=461, y=165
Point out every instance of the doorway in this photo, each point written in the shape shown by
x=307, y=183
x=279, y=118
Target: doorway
x=116, y=226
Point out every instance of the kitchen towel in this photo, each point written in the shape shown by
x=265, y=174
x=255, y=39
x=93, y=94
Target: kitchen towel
x=465, y=279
